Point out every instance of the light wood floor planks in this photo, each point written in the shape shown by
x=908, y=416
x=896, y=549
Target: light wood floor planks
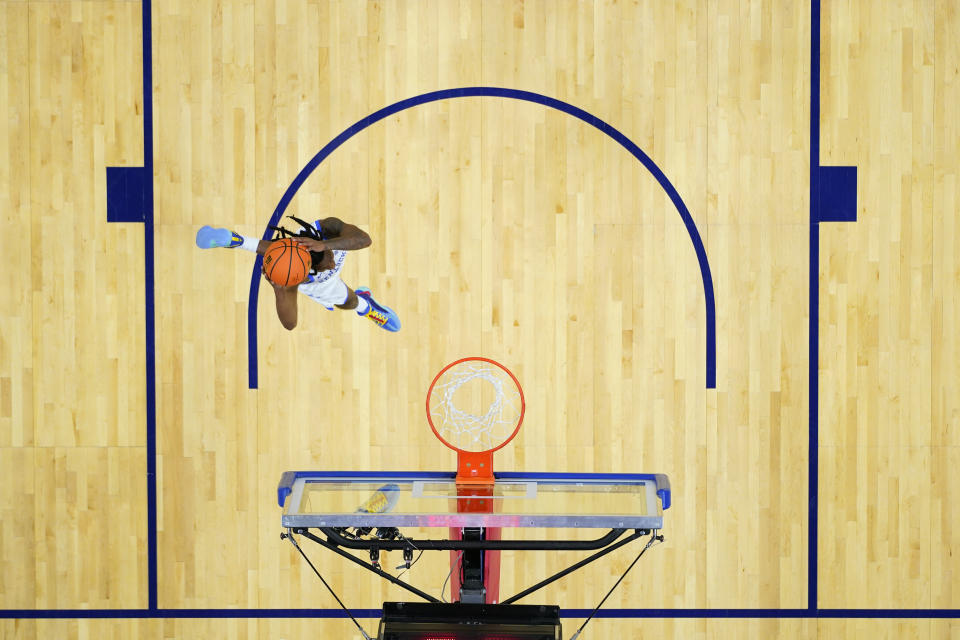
x=72, y=425
x=501, y=228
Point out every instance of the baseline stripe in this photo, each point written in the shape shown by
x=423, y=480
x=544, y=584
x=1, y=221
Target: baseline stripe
x=39, y=614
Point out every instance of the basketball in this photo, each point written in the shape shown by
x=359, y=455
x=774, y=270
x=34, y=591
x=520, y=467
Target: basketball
x=286, y=262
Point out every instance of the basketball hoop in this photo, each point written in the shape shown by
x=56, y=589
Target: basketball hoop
x=475, y=406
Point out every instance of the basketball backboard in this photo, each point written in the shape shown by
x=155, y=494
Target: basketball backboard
x=475, y=406
x=433, y=499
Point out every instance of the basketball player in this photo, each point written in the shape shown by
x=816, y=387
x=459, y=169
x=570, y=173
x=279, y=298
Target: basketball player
x=328, y=241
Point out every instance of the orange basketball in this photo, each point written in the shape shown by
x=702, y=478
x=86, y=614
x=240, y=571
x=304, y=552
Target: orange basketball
x=286, y=262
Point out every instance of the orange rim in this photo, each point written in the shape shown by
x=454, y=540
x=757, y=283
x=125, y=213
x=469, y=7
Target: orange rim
x=523, y=405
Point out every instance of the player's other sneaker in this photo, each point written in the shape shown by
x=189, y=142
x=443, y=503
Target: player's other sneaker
x=382, y=316
x=211, y=238
x=383, y=500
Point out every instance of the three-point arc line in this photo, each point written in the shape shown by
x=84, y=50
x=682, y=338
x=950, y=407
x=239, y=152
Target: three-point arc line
x=528, y=96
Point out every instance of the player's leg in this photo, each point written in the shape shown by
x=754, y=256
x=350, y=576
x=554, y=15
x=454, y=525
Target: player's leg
x=363, y=302
x=351, y=301
x=213, y=238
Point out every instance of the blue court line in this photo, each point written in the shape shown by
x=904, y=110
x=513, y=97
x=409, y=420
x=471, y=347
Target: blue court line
x=838, y=194
x=125, y=189
x=813, y=359
x=564, y=613
x=516, y=94
x=148, y=236
x=130, y=199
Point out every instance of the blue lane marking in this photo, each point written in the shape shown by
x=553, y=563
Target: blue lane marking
x=464, y=92
x=130, y=199
x=814, y=313
x=837, y=201
x=814, y=434
x=833, y=198
x=125, y=194
x=149, y=296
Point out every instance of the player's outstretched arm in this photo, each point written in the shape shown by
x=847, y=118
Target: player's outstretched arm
x=286, y=305
x=341, y=235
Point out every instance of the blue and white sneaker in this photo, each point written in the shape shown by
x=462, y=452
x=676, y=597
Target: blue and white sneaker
x=382, y=316
x=383, y=500
x=212, y=238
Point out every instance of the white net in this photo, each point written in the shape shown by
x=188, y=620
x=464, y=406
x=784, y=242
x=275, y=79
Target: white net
x=475, y=405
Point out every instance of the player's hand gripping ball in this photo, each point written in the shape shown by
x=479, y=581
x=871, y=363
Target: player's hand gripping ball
x=286, y=262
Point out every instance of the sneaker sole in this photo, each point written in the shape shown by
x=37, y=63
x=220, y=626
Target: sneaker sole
x=394, y=316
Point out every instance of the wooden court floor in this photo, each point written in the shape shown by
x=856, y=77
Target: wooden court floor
x=505, y=228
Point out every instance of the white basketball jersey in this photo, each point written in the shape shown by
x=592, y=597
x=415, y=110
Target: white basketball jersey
x=325, y=286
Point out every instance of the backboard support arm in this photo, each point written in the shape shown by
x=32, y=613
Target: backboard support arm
x=336, y=538
x=472, y=587
x=523, y=594
x=383, y=574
